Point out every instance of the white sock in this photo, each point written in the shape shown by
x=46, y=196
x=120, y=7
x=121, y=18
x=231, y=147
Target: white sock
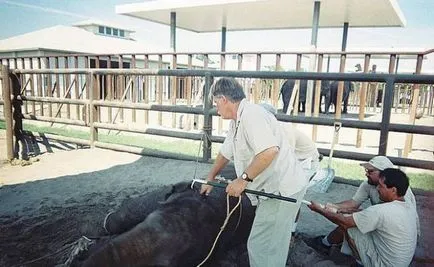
x=326, y=242
x=294, y=226
x=345, y=249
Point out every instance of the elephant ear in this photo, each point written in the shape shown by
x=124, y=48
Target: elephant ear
x=176, y=188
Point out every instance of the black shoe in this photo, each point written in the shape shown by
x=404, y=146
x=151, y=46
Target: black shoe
x=317, y=244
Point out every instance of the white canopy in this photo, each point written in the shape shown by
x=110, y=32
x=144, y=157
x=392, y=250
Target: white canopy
x=235, y=15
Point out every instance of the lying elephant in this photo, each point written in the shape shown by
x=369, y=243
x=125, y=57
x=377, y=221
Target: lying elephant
x=178, y=232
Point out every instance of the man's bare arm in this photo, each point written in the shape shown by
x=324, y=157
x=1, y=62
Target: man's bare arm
x=261, y=161
x=339, y=219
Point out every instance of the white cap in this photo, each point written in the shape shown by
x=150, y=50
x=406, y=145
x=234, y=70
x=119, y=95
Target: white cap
x=378, y=162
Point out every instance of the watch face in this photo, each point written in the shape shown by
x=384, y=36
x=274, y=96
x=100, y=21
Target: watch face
x=244, y=176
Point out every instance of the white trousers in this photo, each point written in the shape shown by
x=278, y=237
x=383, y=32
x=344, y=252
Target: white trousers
x=270, y=236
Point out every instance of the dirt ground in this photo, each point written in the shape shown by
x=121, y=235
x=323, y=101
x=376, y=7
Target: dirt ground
x=46, y=206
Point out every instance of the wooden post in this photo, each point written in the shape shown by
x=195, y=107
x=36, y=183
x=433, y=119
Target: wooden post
x=275, y=90
x=392, y=69
x=409, y=139
x=362, y=98
x=188, y=89
x=67, y=92
x=93, y=110
x=257, y=85
x=76, y=90
x=24, y=83
x=340, y=93
x=39, y=86
x=32, y=85
x=109, y=86
x=294, y=100
x=160, y=89
x=134, y=91
x=146, y=90
x=7, y=111
x=317, y=103
x=49, y=91
x=121, y=82
x=174, y=89
x=207, y=121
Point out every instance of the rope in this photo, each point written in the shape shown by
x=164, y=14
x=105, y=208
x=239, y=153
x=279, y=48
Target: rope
x=228, y=216
x=47, y=255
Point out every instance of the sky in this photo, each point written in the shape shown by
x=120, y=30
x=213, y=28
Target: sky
x=22, y=16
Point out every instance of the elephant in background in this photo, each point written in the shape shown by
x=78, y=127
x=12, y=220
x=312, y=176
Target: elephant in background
x=331, y=96
x=288, y=87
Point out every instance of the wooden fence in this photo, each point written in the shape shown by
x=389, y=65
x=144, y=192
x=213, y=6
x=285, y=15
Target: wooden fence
x=88, y=103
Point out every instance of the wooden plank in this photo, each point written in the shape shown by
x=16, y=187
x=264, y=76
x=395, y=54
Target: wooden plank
x=76, y=89
x=146, y=89
x=67, y=82
x=7, y=107
x=275, y=91
x=39, y=86
x=109, y=88
x=49, y=91
x=134, y=89
x=416, y=88
x=160, y=89
x=293, y=101
x=338, y=111
x=32, y=85
x=174, y=89
x=317, y=100
x=362, y=97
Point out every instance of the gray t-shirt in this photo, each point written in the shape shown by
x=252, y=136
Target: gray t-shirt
x=367, y=191
x=393, y=229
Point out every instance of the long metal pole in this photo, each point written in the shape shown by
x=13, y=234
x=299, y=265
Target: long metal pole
x=312, y=63
x=345, y=37
x=223, y=48
x=173, y=31
x=254, y=192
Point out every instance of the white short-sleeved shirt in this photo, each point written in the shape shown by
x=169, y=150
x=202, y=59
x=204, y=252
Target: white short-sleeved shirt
x=304, y=146
x=393, y=229
x=367, y=191
x=254, y=131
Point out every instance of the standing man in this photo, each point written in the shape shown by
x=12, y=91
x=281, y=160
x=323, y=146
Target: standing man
x=264, y=161
x=383, y=234
x=366, y=191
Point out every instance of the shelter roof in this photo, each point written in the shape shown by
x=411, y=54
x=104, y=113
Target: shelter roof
x=96, y=22
x=78, y=41
x=212, y=15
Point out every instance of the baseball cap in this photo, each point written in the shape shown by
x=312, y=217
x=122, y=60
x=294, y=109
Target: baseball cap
x=378, y=162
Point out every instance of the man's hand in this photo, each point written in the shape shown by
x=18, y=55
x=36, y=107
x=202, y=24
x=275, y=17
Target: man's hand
x=332, y=207
x=314, y=206
x=237, y=187
x=205, y=189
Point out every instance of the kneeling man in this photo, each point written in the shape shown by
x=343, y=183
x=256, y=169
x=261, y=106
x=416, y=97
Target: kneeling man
x=383, y=234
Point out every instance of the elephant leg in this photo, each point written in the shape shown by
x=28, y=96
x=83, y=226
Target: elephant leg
x=285, y=106
x=345, y=111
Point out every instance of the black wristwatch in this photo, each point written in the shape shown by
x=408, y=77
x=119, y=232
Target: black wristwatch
x=245, y=177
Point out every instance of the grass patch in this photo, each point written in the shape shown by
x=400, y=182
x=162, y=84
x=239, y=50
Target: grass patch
x=348, y=169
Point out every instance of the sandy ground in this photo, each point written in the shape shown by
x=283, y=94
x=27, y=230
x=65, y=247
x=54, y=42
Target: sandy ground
x=51, y=203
